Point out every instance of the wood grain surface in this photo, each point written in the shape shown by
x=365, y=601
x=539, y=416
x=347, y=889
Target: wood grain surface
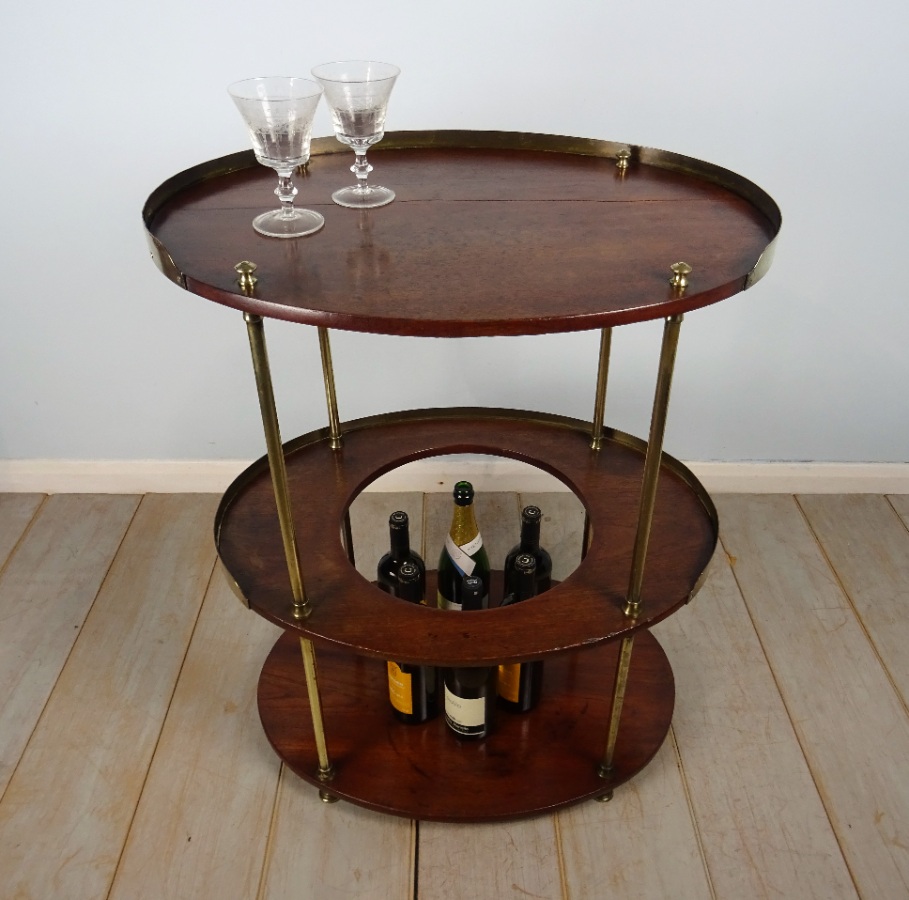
x=477, y=242
x=46, y=592
x=807, y=626
x=347, y=611
x=530, y=763
x=100, y=725
x=787, y=741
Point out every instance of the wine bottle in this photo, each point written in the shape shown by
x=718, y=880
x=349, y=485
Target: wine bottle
x=388, y=569
x=520, y=684
x=412, y=689
x=463, y=553
x=531, y=516
x=470, y=693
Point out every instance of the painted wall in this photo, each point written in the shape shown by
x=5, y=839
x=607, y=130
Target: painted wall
x=101, y=357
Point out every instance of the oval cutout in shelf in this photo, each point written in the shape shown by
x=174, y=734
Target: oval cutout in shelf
x=323, y=483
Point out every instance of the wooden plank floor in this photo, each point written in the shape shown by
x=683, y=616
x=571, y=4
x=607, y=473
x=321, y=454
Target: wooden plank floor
x=132, y=763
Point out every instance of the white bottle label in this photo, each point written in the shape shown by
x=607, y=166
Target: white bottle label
x=460, y=556
x=444, y=603
x=466, y=716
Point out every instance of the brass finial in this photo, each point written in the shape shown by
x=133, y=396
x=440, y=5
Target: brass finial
x=247, y=280
x=680, y=273
x=622, y=159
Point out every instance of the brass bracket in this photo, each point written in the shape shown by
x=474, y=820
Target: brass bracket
x=325, y=776
x=247, y=280
x=680, y=273
x=632, y=608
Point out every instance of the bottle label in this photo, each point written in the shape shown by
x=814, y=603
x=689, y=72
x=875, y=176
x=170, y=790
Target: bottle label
x=400, y=691
x=444, y=603
x=510, y=682
x=465, y=716
x=460, y=556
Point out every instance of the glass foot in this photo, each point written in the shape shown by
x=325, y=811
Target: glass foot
x=277, y=224
x=363, y=198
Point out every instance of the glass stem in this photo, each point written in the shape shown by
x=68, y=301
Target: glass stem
x=361, y=168
x=286, y=192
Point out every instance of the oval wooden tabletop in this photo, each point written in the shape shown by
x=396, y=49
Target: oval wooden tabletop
x=489, y=234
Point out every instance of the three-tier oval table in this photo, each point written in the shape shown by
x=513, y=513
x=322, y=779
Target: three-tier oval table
x=490, y=234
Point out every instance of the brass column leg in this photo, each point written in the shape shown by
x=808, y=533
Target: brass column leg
x=326, y=772
x=618, y=699
x=276, y=463
x=334, y=424
x=599, y=406
x=330, y=397
x=652, y=461
x=642, y=537
x=282, y=498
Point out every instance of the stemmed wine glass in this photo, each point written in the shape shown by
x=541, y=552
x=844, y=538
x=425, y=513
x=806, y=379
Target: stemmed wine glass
x=278, y=112
x=357, y=93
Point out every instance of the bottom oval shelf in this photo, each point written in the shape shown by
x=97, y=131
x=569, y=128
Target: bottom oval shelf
x=530, y=764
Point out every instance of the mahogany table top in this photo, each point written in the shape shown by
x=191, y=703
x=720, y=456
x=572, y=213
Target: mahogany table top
x=490, y=233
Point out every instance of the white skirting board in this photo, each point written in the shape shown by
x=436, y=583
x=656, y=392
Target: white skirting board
x=54, y=476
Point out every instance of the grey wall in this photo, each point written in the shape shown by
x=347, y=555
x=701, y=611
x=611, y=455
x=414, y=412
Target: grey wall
x=101, y=357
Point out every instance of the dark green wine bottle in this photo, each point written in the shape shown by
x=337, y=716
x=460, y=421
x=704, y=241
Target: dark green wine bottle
x=470, y=692
x=520, y=684
x=531, y=516
x=463, y=553
x=412, y=689
x=388, y=568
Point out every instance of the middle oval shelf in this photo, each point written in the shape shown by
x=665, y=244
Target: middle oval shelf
x=347, y=611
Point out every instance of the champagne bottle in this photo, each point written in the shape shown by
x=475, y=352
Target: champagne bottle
x=519, y=684
x=412, y=689
x=470, y=693
x=531, y=516
x=463, y=553
x=388, y=569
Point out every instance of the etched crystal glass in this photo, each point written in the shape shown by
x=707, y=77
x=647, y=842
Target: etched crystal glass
x=278, y=112
x=357, y=94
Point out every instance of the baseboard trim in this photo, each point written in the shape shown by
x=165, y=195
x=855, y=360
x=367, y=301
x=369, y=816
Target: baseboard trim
x=802, y=478
x=134, y=476
x=53, y=476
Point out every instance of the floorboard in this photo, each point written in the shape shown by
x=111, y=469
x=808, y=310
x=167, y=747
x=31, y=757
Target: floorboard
x=66, y=812
x=16, y=512
x=135, y=765
x=207, y=804
x=507, y=859
x=641, y=845
x=46, y=591
x=873, y=573
x=336, y=851
x=851, y=724
x=742, y=760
